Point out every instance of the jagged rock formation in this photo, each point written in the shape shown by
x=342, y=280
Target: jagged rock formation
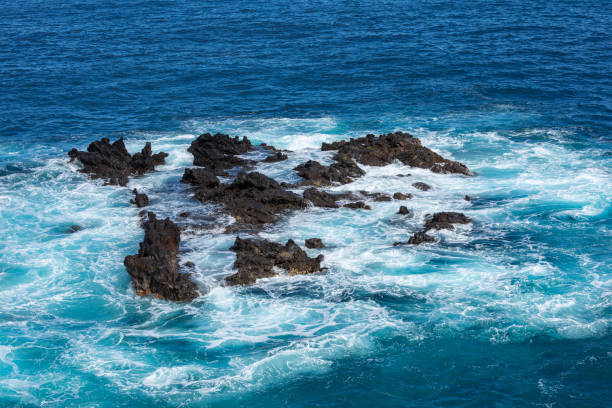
x=251, y=198
x=441, y=220
x=113, y=163
x=218, y=152
x=421, y=186
x=256, y=259
x=154, y=270
x=140, y=199
x=343, y=171
x=314, y=243
x=382, y=150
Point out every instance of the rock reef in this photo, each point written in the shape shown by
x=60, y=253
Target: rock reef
x=218, y=152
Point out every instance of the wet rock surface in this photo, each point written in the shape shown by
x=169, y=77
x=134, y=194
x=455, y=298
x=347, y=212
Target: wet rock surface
x=382, y=150
x=445, y=220
x=200, y=177
x=154, y=270
x=140, y=199
x=403, y=210
x=401, y=196
x=314, y=243
x=441, y=220
x=218, y=152
x=113, y=163
x=421, y=186
x=257, y=258
x=252, y=198
x=358, y=205
x=276, y=157
x=343, y=171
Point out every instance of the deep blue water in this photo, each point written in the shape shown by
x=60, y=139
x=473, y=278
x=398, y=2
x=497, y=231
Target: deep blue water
x=514, y=310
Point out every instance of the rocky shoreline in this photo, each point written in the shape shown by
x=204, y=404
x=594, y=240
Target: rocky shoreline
x=254, y=200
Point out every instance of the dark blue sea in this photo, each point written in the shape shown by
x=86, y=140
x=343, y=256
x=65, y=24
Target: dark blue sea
x=513, y=310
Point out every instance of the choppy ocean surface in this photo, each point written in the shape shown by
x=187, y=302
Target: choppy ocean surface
x=512, y=310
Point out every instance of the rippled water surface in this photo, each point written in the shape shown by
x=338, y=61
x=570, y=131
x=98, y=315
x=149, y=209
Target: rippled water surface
x=512, y=310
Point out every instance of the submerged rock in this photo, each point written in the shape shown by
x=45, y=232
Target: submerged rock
x=113, y=163
x=154, y=270
x=256, y=259
x=376, y=196
x=74, y=228
x=384, y=149
x=421, y=186
x=140, y=199
x=218, y=152
x=251, y=198
x=320, y=198
x=314, y=243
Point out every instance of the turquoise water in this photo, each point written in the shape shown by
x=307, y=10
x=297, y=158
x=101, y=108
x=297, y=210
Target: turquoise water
x=512, y=310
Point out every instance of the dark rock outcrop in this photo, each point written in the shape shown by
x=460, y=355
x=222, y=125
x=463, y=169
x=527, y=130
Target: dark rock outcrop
x=321, y=198
x=403, y=210
x=218, y=152
x=445, y=220
x=276, y=157
x=467, y=198
x=358, y=205
x=420, y=237
x=200, y=177
x=256, y=259
x=376, y=196
x=421, y=186
x=382, y=150
x=113, y=163
x=401, y=196
x=140, y=199
x=441, y=220
x=314, y=243
x=343, y=171
x=74, y=228
x=154, y=270
x=251, y=198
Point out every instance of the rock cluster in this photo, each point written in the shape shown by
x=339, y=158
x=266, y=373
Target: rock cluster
x=113, y=163
x=382, y=150
x=154, y=270
x=441, y=220
x=256, y=259
x=343, y=171
x=252, y=198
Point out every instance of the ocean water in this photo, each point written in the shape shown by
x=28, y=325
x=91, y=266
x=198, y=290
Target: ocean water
x=513, y=310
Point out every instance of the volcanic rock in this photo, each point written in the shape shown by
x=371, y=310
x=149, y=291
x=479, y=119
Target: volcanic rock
x=420, y=237
x=154, y=270
x=256, y=259
x=358, y=205
x=314, y=243
x=140, y=199
x=382, y=150
x=200, y=177
x=252, y=198
x=403, y=210
x=445, y=220
x=113, y=163
x=343, y=171
x=401, y=196
x=421, y=186
x=276, y=157
x=217, y=152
